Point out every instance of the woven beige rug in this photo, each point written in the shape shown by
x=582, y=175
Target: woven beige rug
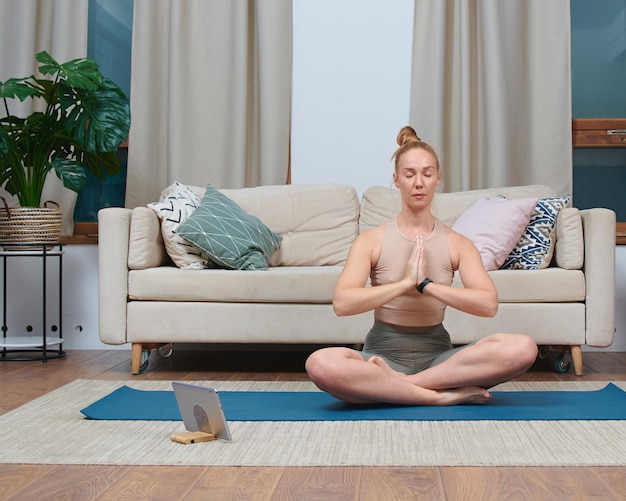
x=51, y=430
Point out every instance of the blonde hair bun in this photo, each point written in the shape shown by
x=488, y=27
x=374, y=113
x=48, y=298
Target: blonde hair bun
x=408, y=139
x=407, y=135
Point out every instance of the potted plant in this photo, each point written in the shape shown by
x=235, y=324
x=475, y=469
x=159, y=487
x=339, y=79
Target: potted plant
x=84, y=120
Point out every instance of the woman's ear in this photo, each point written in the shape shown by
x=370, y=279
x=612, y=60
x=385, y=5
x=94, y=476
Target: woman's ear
x=395, y=179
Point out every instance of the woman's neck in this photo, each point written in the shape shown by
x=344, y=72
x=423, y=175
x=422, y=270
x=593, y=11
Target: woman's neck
x=414, y=225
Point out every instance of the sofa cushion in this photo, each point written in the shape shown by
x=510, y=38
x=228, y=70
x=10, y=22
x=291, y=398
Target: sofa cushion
x=495, y=225
x=228, y=234
x=570, y=248
x=291, y=284
x=315, y=284
x=145, y=245
x=549, y=285
x=535, y=249
x=177, y=203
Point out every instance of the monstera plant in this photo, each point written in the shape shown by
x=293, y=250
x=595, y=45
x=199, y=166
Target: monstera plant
x=82, y=120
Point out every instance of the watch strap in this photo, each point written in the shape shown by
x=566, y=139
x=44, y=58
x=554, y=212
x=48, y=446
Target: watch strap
x=422, y=284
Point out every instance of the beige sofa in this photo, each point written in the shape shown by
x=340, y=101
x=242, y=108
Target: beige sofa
x=147, y=301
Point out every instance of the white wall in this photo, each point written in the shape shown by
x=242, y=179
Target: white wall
x=619, y=344
x=352, y=62
x=80, y=297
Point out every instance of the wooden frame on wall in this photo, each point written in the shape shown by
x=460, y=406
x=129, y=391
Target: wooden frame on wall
x=601, y=133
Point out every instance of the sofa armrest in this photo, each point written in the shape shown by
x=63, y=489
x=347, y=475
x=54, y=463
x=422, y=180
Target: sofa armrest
x=113, y=241
x=599, y=267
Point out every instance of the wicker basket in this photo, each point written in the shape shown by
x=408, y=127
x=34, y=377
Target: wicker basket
x=29, y=225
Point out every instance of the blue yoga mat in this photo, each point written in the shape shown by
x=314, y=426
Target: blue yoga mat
x=127, y=403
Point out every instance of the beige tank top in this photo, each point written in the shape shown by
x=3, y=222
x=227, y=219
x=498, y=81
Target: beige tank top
x=412, y=309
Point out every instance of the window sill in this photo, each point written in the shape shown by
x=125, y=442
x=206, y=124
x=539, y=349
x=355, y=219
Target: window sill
x=620, y=235
x=84, y=233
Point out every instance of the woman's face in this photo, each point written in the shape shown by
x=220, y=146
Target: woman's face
x=417, y=177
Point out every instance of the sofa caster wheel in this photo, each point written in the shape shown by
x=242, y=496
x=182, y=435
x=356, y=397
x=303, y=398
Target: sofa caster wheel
x=145, y=360
x=544, y=352
x=562, y=363
x=165, y=350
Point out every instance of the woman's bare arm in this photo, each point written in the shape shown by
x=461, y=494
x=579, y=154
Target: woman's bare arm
x=352, y=296
x=478, y=296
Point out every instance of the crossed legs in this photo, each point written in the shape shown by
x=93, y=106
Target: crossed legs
x=462, y=378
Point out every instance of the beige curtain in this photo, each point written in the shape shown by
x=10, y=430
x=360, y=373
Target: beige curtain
x=491, y=91
x=28, y=27
x=210, y=95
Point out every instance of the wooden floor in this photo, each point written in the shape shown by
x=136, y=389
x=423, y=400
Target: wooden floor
x=23, y=381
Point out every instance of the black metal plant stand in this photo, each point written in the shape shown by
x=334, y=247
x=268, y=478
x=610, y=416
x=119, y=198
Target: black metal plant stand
x=38, y=347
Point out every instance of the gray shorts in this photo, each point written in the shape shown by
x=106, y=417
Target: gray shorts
x=409, y=349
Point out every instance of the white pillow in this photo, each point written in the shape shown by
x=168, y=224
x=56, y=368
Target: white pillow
x=570, y=247
x=495, y=226
x=145, y=245
x=173, y=210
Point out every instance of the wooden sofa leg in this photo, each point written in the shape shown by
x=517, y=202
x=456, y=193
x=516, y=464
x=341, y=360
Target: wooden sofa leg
x=577, y=358
x=135, y=358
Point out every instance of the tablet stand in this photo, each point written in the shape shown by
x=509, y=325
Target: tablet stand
x=191, y=437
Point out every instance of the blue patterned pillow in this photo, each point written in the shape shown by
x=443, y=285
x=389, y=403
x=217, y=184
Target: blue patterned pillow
x=536, y=246
x=229, y=235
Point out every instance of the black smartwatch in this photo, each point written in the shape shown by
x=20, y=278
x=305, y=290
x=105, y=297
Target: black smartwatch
x=422, y=284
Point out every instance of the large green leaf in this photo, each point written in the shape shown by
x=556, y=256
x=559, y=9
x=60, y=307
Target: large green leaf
x=15, y=140
x=71, y=172
x=17, y=88
x=77, y=73
x=100, y=120
x=4, y=142
x=8, y=159
x=102, y=164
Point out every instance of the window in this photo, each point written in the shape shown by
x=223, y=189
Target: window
x=599, y=91
x=109, y=41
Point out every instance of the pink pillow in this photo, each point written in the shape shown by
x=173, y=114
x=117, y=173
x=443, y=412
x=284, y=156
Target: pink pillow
x=495, y=225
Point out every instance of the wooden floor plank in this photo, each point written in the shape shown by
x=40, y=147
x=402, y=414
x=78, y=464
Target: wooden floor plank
x=24, y=381
x=571, y=483
x=486, y=484
x=332, y=484
x=62, y=482
x=614, y=478
x=423, y=483
x=234, y=483
x=156, y=482
x=16, y=478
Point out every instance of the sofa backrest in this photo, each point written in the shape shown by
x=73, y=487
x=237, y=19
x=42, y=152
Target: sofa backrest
x=318, y=222
x=379, y=203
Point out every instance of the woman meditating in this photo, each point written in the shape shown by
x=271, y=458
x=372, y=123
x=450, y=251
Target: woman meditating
x=407, y=357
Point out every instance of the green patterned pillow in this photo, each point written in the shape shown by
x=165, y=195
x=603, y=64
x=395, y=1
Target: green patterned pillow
x=229, y=235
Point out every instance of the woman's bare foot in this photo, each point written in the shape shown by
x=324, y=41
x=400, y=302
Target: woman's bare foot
x=455, y=396
x=468, y=395
x=376, y=360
